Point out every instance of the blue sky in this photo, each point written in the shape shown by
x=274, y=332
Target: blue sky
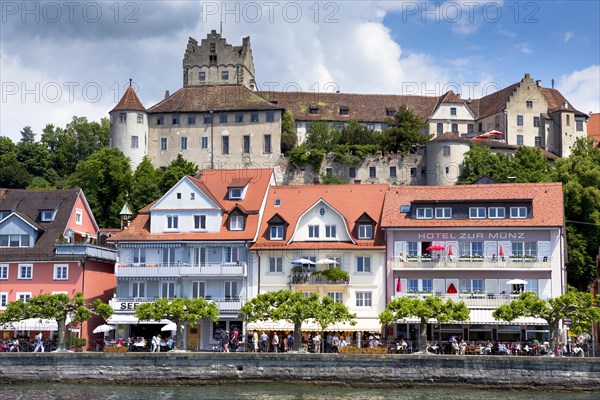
x=57, y=62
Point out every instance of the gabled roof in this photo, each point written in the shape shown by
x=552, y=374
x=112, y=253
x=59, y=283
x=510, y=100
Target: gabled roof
x=351, y=201
x=547, y=200
x=557, y=102
x=214, y=184
x=27, y=205
x=593, y=127
x=493, y=103
x=28, y=220
x=361, y=107
x=129, y=102
x=212, y=98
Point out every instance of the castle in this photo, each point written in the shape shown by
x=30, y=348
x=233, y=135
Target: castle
x=219, y=120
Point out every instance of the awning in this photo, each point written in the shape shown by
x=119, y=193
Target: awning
x=362, y=324
x=484, y=316
x=131, y=319
x=32, y=324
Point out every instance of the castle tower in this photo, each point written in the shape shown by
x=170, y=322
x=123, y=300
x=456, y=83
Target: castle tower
x=215, y=62
x=129, y=127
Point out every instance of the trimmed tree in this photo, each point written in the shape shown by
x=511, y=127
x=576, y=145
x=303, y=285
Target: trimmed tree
x=284, y=305
x=58, y=307
x=579, y=306
x=329, y=312
x=433, y=307
x=180, y=312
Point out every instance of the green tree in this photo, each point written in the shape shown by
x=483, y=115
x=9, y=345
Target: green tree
x=89, y=137
x=580, y=176
x=57, y=307
x=15, y=176
x=284, y=305
x=356, y=134
x=145, y=187
x=40, y=183
x=328, y=312
x=322, y=135
x=179, y=311
x=61, y=146
x=424, y=309
x=34, y=157
x=289, y=138
x=27, y=135
x=104, y=177
x=177, y=169
x=579, y=306
x=405, y=130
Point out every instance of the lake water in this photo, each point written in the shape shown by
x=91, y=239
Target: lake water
x=279, y=391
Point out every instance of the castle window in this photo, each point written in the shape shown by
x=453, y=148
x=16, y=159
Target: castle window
x=202, y=76
x=413, y=171
x=267, y=147
x=270, y=116
x=452, y=110
x=134, y=142
x=122, y=117
x=207, y=119
x=454, y=128
x=212, y=58
x=239, y=117
x=223, y=118
x=529, y=104
x=352, y=172
x=538, y=141
x=393, y=172
x=246, y=144
x=440, y=128
x=579, y=125
x=140, y=118
x=204, y=142
x=372, y=172
x=225, y=144
x=224, y=75
x=497, y=122
x=175, y=119
x=519, y=140
x=446, y=151
x=184, y=143
x=191, y=120
x=536, y=122
x=469, y=128
x=213, y=47
x=568, y=120
x=519, y=120
x=163, y=144
x=480, y=127
x=160, y=120
x=254, y=116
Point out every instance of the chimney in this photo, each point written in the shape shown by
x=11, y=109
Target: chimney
x=167, y=94
x=538, y=83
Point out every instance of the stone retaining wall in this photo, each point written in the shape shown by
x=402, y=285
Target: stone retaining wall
x=344, y=369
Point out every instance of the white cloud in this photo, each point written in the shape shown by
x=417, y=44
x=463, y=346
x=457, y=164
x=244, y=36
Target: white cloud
x=507, y=33
x=568, y=36
x=524, y=48
x=582, y=88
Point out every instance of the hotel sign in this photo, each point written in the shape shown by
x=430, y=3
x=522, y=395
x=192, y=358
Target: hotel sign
x=471, y=236
x=125, y=305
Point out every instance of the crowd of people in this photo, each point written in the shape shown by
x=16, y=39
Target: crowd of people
x=15, y=344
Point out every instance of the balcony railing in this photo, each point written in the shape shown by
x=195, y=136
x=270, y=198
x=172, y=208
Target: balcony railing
x=309, y=279
x=470, y=299
x=445, y=262
x=147, y=270
x=225, y=304
x=106, y=253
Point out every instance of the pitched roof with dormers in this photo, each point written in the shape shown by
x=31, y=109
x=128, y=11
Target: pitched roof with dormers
x=546, y=199
x=361, y=107
x=129, y=102
x=214, y=184
x=27, y=205
x=216, y=98
x=351, y=201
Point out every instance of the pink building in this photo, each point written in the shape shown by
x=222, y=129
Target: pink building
x=47, y=245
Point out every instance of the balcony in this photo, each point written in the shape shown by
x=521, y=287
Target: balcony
x=315, y=280
x=480, y=263
x=104, y=253
x=149, y=270
x=491, y=300
x=124, y=304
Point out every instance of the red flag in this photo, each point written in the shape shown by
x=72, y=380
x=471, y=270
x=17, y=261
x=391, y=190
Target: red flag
x=450, y=250
x=501, y=252
x=399, y=285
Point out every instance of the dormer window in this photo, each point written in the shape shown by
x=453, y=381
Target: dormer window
x=276, y=232
x=235, y=193
x=443, y=213
x=313, y=110
x=47, y=215
x=390, y=112
x=236, y=222
x=452, y=110
x=365, y=231
x=424, y=213
x=343, y=110
x=405, y=208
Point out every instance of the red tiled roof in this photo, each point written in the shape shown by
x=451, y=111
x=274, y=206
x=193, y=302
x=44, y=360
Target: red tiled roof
x=214, y=184
x=556, y=101
x=361, y=107
x=212, y=98
x=129, y=102
x=548, y=208
x=349, y=200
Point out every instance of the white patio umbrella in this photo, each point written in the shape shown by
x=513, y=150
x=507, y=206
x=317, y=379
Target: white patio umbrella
x=516, y=282
x=303, y=261
x=326, y=261
x=103, y=328
x=171, y=326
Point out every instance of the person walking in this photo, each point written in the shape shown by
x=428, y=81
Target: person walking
x=275, y=342
x=255, y=341
x=39, y=343
x=155, y=344
x=264, y=342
